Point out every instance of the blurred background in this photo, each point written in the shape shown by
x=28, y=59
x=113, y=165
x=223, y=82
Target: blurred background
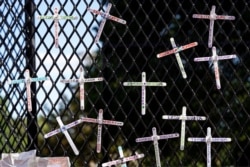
x=121, y=55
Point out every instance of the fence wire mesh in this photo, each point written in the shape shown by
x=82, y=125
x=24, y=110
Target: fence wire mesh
x=121, y=55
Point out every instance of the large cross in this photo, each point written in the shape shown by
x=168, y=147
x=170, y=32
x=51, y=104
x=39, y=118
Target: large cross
x=27, y=80
x=209, y=139
x=81, y=82
x=155, y=139
x=143, y=84
x=122, y=161
x=64, y=130
x=212, y=17
x=56, y=17
x=183, y=117
x=215, y=58
x=176, y=51
x=105, y=16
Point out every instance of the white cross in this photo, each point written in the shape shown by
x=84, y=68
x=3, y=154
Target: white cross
x=183, y=117
x=27, y=80
x=56, y=17
x=143, y=84
x=155, y=139
x=176, y=51
x=212, y=17
x=100, y=121
x=81, y=82
x=214, y=58
x=63, y=129
x=209, y=139
x=123, y=159
x=105, y=16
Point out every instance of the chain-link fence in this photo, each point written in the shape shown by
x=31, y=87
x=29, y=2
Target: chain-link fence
x=121, y=55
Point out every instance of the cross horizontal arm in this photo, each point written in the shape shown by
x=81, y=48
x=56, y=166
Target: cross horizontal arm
x=197, y=139
x=225, y=57
x=16, y=81
x=221, y=139
x=132, y=158
x=39, y=79
x=144, y=84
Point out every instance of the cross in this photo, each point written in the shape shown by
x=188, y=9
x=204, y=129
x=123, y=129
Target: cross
x=155, y=139
x=27, y=80
x=176, y=51
x=105, y=16
x=209, y=139
x=63, y=129
x=214, y=58
x=183, y=117
x=212, y=17
x=100, y=121
x=123, y=159
x=56, y=17
x=81, y=82
x=143, y=85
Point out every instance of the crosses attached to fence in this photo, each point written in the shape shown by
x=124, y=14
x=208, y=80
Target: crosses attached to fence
x=56, y=17
x=105, y=16
x=212, y=17
x=183, y=117
x=155, y=139
x=143, y=85
x=209, y=139
x=28, y=81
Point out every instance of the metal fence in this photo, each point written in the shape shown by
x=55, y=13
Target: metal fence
x=121, y=55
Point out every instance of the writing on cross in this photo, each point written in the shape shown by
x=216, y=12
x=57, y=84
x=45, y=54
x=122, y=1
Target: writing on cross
x=212, y=17
x=176, y=51
x=155, y=139
x=122, y=161
x=208, y=140
x=27, y=80
x=56, y=17
x=81, y=82
x=215, y=58
x=105, y=16
x=143, y=85
x=183, y=117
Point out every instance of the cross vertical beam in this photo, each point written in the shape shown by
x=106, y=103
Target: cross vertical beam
x=100, y=121
x=208, y=140
x=81, y=82
x=212, y=17
x=176, y=51
x=183, y=117
x=105, y=16
x=155, y=139
x=143, y=85
x=215, y=58
x=56, y=17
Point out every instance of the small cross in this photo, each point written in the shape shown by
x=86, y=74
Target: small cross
x=176, y=51
x=56, y=17
x=63, y=129
x=123, y=159
x=105, y=16
x=209, y=139
x=183, y=117
x=100, y=121
x=81, y=82
x=143, y=84
x=155, y=139
x=214, y=58
x=212, y=17
x=27, y=80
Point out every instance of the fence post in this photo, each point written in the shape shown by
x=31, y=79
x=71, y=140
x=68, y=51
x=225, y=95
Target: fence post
x=31, y=65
